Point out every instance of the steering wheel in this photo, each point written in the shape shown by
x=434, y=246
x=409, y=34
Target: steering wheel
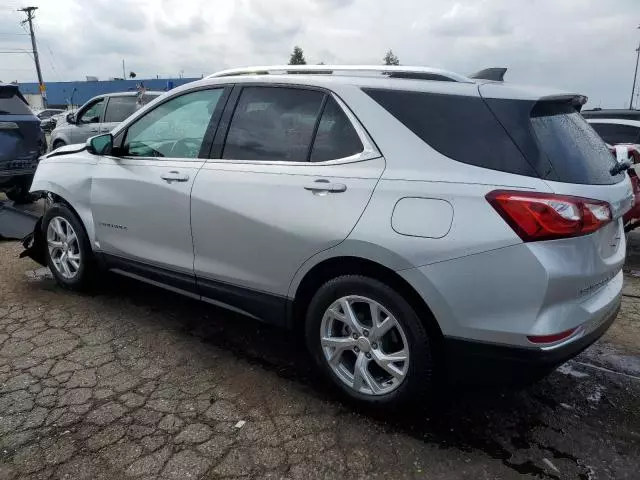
x=185, y=148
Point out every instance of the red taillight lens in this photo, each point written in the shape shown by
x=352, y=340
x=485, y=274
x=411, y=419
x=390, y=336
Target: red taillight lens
x=544, y=216
x=552, y=338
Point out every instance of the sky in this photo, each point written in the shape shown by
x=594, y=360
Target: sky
x=585, y=46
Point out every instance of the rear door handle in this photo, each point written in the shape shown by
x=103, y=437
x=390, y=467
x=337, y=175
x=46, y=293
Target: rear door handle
x=323, y=185
x=174, y=176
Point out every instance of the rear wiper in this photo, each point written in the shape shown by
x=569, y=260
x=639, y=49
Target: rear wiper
x=620, y=167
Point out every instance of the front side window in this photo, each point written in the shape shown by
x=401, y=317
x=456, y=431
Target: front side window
x=336, y=138
x=273, y=123
x=174, y=129
x=93, y=113
x=119, y=108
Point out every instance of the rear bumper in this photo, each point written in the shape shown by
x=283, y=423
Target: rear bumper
x=10, y=178
x=485, y=363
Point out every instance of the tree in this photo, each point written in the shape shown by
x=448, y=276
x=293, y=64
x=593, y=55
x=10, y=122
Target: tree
x=132, y=74
x=297, y=57
x=391, y=59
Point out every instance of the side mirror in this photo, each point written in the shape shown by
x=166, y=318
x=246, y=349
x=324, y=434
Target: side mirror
x=71, y=117
x=100, y=144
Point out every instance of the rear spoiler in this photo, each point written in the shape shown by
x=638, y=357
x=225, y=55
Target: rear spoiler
x=575, y=100
x=495, y=74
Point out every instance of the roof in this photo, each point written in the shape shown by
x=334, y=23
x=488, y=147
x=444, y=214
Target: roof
x=629, y=114
x=131, y=94
x=615, y=121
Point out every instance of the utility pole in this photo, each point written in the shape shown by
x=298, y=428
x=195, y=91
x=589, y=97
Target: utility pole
x=635, y=75
x=124, y=75
x=29, y=11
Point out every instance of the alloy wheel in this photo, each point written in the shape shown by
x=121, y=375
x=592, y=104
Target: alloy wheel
x=64, y=247
x=364, y=345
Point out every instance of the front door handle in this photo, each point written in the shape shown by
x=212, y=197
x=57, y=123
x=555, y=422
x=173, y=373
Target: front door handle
x=174, y=176
x=323, y=185
x=93, y=130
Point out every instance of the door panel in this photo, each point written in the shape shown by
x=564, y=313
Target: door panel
x=141, y=209
x=88, y=122
x=254, y=224
x=141, y=199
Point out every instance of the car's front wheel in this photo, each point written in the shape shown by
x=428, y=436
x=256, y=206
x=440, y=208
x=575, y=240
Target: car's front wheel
x=369, y=341
x=68, y=251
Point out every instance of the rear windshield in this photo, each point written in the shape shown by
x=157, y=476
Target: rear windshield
x=11, y=103
x=557, y=141
x=549, y=140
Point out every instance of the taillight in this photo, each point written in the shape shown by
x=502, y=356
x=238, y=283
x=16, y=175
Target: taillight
x=553, y=337
x=545, y=216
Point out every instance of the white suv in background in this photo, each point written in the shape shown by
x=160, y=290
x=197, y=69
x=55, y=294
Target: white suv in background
x=410, y=222
x=101, y=114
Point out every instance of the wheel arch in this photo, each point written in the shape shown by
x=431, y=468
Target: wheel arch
x=60, y=195
x=333, y=267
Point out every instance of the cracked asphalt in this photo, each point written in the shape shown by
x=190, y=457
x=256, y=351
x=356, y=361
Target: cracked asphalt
x=135, y=382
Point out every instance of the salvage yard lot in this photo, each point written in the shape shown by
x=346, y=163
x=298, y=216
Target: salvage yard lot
x=135, y=382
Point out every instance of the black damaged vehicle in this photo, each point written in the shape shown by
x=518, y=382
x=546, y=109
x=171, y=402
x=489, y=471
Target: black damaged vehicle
x=22, y=141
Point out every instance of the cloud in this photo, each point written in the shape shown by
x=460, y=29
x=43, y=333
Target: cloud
x=579, y=45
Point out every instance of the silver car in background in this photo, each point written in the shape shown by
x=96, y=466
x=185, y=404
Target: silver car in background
x=412, y=223
x=101, y=114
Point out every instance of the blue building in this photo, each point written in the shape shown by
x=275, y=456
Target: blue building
x=66, y=94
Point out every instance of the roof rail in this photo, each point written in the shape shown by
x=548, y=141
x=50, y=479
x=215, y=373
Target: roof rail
x=419, y=73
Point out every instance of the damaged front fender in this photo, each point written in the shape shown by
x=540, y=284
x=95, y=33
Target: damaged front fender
x=35, y=245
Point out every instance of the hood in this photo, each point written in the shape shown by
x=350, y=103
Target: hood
x=66, y=149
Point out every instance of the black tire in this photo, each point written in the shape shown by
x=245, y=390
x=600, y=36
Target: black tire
x=419, y=378
x=57, y=144
x=85, y=274
x=20, y=193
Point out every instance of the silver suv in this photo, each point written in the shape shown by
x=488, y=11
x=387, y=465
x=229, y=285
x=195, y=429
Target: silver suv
x=412, y=222
x=101, y=114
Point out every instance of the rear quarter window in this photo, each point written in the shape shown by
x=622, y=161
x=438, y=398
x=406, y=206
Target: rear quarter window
x=459, y=127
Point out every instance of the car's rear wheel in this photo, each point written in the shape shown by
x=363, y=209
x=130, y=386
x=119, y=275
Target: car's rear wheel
x=369, y=341
x=68, y=250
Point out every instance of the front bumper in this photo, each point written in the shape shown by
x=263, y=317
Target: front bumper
x=486, y=363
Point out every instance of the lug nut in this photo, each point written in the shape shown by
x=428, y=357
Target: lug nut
x=356, y=349
x=368, y=355
x=374, y=345
x=366, y=333
x=355, y=336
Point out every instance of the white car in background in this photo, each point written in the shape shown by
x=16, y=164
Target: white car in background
x=617, y=131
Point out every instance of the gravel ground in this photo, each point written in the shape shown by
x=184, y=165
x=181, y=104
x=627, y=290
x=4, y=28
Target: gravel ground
x=135, y=382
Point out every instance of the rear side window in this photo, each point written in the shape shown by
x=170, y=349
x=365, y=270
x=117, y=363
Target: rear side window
x=460, y=127
x=614, y=134
x=11, y=103
x=273, y=123
x=336, y=138
x=119, y=108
